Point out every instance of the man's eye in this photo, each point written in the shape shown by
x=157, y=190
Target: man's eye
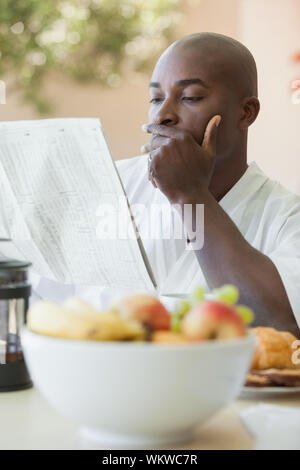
x=155, y=100
x=192, y=98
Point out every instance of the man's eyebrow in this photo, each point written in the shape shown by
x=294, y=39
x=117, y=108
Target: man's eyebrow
x=186, y=82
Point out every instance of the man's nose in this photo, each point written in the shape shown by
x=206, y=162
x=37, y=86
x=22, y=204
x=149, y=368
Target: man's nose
x=166, y=114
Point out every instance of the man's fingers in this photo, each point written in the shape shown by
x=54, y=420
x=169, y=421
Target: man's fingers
x=210, y=136
x=160, y=129
x=151, y=173
x=156, y=142
x=152, y=180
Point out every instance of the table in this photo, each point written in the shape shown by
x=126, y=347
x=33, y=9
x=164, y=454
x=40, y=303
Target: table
x=29, y=422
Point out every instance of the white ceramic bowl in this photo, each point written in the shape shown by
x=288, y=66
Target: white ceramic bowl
x=137, y=394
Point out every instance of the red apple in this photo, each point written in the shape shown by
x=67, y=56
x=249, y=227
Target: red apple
x=212, y=320
x=144, y=308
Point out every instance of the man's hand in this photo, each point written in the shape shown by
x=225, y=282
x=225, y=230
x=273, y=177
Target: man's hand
x=178, y=165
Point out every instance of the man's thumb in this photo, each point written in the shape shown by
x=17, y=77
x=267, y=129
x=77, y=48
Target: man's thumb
x=210, y=136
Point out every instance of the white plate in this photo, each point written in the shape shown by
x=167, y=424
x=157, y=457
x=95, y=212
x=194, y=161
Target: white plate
x=260, y=392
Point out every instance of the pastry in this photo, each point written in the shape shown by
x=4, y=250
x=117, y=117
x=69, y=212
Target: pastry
x=273, y=362
x=274, y=349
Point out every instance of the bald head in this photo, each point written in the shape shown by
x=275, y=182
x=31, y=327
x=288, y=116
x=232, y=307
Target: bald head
x=232, y=62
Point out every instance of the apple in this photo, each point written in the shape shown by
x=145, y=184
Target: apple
x=145, y=309
x=212, y=320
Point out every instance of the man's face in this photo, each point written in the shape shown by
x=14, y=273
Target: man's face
x=188, y=88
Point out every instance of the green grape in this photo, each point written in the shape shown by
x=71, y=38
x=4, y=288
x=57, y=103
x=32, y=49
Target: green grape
x=182, y=307
x=175, y=324
x=197, y=295
x=246, y=313
x=227, y=293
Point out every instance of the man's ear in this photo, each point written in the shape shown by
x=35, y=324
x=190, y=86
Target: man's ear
x=250, y=109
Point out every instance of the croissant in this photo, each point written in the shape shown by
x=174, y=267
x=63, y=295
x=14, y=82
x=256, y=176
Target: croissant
x=274, y=349
x=274, y=359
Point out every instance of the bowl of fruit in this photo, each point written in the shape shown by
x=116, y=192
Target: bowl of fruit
x=138, y=375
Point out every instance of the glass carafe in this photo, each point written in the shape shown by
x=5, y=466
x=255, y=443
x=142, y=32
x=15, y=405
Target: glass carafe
x=14, y=300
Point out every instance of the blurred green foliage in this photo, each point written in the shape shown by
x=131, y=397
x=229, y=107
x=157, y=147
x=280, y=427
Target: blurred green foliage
x=90, y=40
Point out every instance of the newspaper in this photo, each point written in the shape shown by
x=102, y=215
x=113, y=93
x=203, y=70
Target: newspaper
x=54, y=174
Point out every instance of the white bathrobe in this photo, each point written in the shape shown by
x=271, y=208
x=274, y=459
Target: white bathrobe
x=266, y=213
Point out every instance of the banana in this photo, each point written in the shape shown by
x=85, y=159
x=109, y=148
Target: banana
x=75, y=319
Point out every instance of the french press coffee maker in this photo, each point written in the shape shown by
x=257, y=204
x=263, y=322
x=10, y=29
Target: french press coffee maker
x=14, y=300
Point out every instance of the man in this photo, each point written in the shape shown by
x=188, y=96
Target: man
x=203, y=99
